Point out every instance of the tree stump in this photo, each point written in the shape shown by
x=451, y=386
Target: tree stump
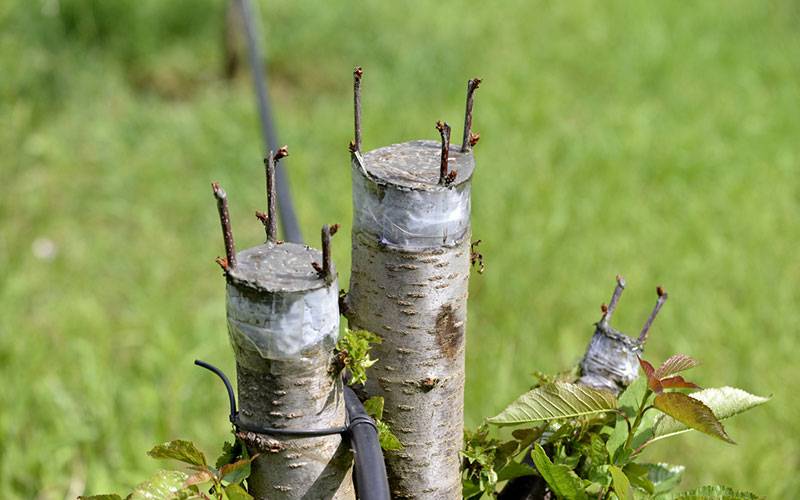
x=283, y=322
x=409, y=284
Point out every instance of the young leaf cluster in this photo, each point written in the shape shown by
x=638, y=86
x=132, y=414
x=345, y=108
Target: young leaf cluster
x=485, y=461
x=223, y=481
x=586, y=443
x=352, y=353
x=374, y=408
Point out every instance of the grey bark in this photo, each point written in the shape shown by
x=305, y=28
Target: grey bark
x=283, y=323
x=409, y=283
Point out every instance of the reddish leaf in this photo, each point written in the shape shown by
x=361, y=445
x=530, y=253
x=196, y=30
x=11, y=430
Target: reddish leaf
x=236, y=472
x=692, y=413
x=677, y=382
x=201, y=475
x=674, y=364
x=652, y=380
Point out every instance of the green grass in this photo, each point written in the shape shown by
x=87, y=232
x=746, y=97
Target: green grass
x=656, y=140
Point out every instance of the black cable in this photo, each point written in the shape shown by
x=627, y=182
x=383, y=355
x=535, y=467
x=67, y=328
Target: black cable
x=291, y=229
x=370, y=471
x=228, y=387
x=234, y=414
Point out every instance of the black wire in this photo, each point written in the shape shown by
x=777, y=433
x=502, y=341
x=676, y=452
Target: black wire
x=290, y=432
x=234, y=414
x=228, y=387
x=291, y=229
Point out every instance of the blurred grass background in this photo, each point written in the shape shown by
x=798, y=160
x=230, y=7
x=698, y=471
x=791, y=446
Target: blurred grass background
x=656, y=140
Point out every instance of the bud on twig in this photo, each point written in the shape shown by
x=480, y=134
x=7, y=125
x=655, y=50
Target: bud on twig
x=357, y=74
x=270, y=219
x=225, y=222
x=325, y=271
x=662, y=297
x=612, y=306
x=467, y=142
x=444, y=131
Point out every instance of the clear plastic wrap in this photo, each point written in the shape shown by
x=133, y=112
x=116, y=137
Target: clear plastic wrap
x=281, y=325
x=411, y=215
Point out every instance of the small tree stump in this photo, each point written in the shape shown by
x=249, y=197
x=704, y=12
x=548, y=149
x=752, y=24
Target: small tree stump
x=283, y=322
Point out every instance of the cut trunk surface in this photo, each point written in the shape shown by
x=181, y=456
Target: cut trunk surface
x=409, y=281
x=283, y=322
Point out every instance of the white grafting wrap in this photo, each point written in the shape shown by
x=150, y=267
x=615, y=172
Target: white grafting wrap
x=407, y=217
x=282, y=324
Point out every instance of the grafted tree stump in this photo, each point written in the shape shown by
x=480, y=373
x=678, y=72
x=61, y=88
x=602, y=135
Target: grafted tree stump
x=283, y=322
x=409, y=283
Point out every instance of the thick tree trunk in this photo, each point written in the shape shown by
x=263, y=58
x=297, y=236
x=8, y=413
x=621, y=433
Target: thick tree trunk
x=283, y=322
x=409, y=281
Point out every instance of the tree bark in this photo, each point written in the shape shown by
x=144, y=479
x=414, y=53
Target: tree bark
x=409, y=283
x=283, y=322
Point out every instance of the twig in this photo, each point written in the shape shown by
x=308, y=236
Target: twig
x=469, y=139
x=225, y=222
x=357, y=74
x=444, y=131
x=612, y=306
x=662, y=297
x=325, y=271
x=270, y=219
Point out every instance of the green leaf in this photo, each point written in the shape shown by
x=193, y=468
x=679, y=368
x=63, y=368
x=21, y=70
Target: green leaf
x=236, y=492
x=555, y=401
x=620, y=483
x=563, y=481
x=675, y=364
x=616, y=440
x=637, y=475
x=183, y=451
x=236, y=472
x=692, y=413
x=354, y=346
x=630, y=399
x=664, y=477
x=514, y=470
x=163, y=485
x=112, y=496
x=527, y=436
x=599, y=475
x=724, y=402
x=716, y=493
x=629, y=403
x=386, y=437
x=374, y=407
x=231, y=452
x=595, y=451
x=470, y=489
